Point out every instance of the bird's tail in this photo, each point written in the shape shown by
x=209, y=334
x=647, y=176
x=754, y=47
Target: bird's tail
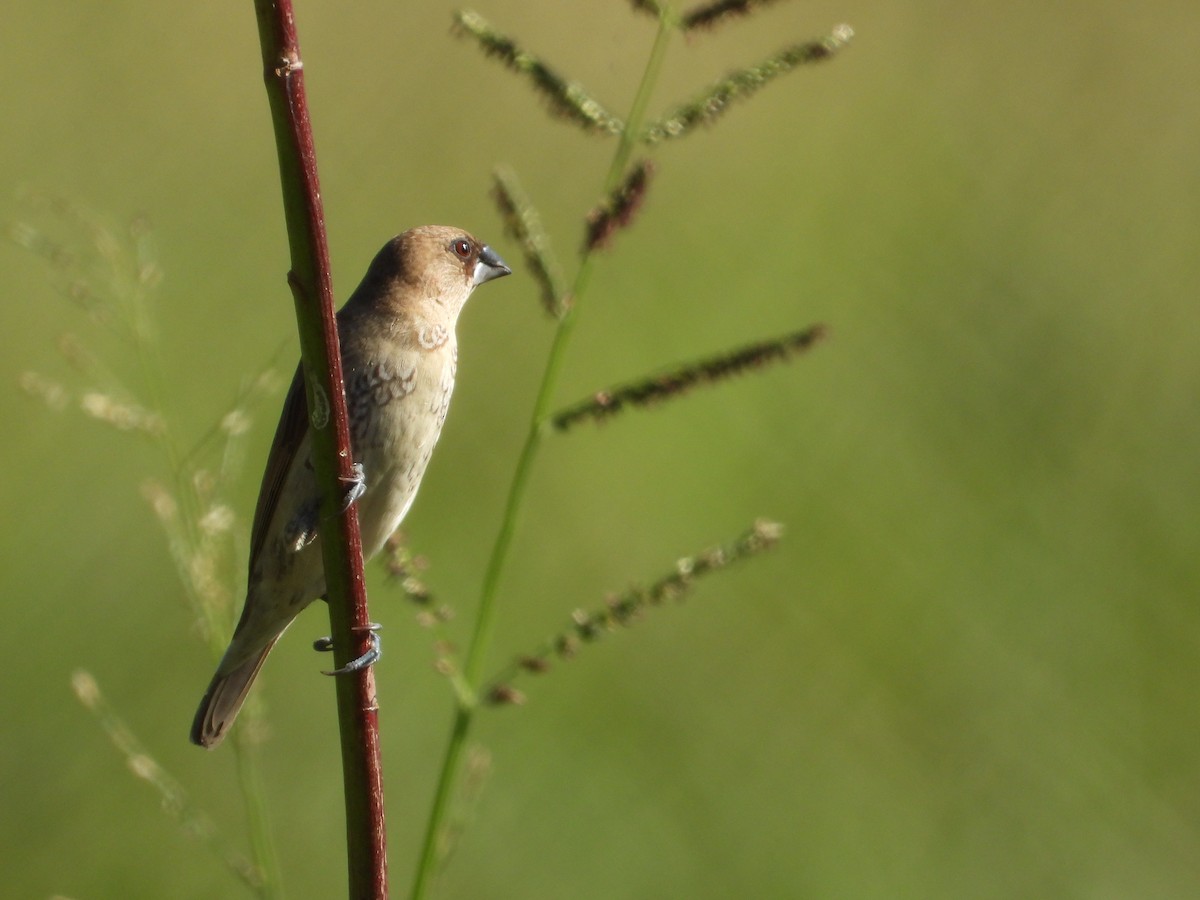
x=223, y=700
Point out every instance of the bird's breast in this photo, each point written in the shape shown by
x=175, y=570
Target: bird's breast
x=397, y=404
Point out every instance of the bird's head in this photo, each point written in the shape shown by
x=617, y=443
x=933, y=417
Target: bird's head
x=434, y=268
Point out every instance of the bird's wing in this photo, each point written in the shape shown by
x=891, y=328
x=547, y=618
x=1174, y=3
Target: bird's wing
x=289, y=437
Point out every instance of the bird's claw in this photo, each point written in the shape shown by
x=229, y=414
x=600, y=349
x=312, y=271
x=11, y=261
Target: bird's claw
x=325, y=644
x=356, y=485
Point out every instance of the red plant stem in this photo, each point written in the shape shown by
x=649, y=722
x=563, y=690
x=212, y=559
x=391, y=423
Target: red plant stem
x=312, y=288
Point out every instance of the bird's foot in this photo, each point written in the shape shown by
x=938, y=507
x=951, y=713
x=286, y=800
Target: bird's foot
x=325, y=644
x=356, y=485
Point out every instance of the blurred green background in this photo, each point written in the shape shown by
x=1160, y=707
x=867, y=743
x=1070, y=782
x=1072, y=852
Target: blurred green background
x=969, y=671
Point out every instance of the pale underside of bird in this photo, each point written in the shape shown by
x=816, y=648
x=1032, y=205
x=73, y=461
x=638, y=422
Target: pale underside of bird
x=399, y=357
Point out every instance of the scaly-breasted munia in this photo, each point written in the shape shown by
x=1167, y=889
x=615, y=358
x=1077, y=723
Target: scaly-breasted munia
x=399, y=355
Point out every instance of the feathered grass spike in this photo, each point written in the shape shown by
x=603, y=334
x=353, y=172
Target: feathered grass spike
x=623, y=609
x=104, y=268
x=109, y=273
x=670, y=384
x=708, y=107
x=476, y=775
x=524, y=225
x=174, y=799
x=618, y=208
x=407, y=571
x=650, y=7
x=121, y=415
x=567, y=98
x=709, y=15
x=49, y=391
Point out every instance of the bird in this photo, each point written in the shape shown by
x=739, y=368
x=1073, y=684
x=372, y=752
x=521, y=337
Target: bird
x=399, y=356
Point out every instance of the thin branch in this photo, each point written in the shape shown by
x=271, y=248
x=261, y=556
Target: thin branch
x=312, y=287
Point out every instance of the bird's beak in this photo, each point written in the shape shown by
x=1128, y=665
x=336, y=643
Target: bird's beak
x=489, y=266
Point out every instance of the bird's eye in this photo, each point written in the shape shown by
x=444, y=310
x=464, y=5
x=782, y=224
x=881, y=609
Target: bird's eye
x=461, y=248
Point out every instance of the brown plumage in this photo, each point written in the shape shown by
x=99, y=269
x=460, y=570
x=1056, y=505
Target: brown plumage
x=398, y=359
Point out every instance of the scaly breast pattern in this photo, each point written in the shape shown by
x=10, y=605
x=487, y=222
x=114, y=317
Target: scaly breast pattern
x=397, y=405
